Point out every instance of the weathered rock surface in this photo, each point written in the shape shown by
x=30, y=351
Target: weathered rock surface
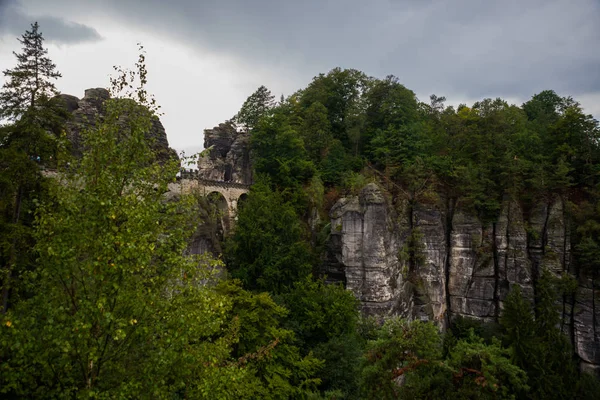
x=227, y=155
x=89, y=111
x=364, y=248
x=464, y=267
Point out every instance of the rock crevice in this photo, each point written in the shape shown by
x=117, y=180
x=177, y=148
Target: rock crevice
x=463, y=267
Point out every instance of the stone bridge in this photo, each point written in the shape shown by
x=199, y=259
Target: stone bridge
x=228, y=194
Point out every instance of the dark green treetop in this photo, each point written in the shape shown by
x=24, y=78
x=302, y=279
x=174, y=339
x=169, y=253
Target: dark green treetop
x=31, y=79
x=254, y=108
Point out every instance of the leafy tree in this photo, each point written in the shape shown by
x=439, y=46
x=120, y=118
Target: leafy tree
x=31, y=80
x=320, y=311
x=545, y=107
x=29, y=142
x=254, y=108
x=484, y=371
x=338, y=163
x=279, y=152
x=405, y=361
x=392, y=121
x=340, y=91
x=400, y=346
x=117, y=310
x=316, y=132
x=325, y=320
x=538, y=345
x=269, y=249
x=280, y=370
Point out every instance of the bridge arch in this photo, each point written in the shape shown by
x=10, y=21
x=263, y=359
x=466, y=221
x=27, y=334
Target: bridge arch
x=231, y=192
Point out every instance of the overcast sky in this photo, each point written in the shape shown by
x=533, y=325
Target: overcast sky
x=206, y=56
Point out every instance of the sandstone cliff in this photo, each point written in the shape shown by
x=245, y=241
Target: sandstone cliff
x=89, y=110
x=465, y=267
x=226, y=157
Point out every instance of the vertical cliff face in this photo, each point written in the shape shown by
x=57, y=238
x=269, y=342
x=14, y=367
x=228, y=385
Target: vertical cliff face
x=363, y=250
x=485, y=260
x=227, y=155
x=436, y=261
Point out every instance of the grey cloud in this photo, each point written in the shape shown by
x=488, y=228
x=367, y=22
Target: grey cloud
x=466, y=48
x=14, y=21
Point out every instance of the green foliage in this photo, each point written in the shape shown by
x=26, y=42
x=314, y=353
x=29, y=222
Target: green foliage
x=538, y=346
x=113, y=308
x=353, y=182
x=342, y=356
x=485, y=371
x=405, y=361
x=316, y=131
x=462, y=327
x=30, y=81
x=117, y=310
x=268, y=250
x=320, y=311
x=340, y=92
x=268, y=349
x=324, y=318
x=34, y=140
x=399, y=346
x=257, y=106
x=338, y=164
x=586, y=215
x=279, y=152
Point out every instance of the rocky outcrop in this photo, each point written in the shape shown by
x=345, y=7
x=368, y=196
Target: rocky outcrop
x=89, y=111
x=437, y=261
x=586, y=325
x=364, y=247
x=226, y=157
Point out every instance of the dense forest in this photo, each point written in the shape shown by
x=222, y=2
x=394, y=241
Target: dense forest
x=101, y=299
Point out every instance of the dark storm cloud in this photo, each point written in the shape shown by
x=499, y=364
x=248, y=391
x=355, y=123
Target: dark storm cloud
x=14, y=22
x=461, y=48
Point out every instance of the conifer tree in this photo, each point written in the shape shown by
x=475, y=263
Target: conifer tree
x=31, y=79
x=36, y=117
x=254, y=108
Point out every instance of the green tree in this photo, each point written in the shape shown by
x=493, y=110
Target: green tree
x=316, y=132
x=269, y=248
x=117, y=310
x=538, y=345
x=254, y=108
x=400, y=346
x=340, y=91
x=405, y=361
x=31, y=80
x=29, y=142
x=392, y=122
x=325, y=320
x=280, y=370
x=279, y=152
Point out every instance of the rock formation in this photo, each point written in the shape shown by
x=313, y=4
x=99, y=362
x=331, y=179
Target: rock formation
x=88, y=111
x=465, y=267
x=435, y=260
x=226, y=157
